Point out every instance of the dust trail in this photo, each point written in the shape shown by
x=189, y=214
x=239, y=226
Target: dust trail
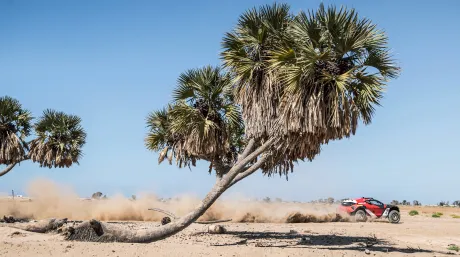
x=52, y=200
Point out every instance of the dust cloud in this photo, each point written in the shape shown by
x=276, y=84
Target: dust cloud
x=50, y=200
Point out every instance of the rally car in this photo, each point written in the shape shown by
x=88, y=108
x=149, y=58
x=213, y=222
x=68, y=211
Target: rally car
x=364, y=207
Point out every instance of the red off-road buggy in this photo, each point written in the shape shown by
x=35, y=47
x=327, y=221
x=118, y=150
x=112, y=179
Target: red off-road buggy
x=364, y=207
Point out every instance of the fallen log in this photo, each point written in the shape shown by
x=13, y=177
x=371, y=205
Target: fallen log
x=42, y=226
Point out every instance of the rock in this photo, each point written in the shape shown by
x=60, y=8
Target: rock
x=367, y=251
x=293, y=231
x=304, y=240
x=216, y=229
x=165, y=220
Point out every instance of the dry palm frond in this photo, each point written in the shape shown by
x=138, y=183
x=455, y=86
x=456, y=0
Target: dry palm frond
x=246, y=53
x=14, y=128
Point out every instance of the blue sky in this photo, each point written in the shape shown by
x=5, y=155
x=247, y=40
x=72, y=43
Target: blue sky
x=112, y=62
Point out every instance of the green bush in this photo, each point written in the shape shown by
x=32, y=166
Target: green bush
x=455, y=216
x=413, y=213
x=436, y=215
x=453, y=248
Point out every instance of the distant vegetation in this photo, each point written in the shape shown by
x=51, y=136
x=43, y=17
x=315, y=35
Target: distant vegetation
x=437, y=215
x=453, y=247
x=413, y=213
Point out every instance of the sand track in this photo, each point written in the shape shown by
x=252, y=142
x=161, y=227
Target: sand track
x=415, y=236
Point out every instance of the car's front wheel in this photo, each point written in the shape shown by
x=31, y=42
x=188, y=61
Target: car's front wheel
x=394, y=216
x=360, y=216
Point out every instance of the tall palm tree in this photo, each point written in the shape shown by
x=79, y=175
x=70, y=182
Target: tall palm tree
x=301, y=80
x=58, y=143
x=324, y=71
x=203, y=122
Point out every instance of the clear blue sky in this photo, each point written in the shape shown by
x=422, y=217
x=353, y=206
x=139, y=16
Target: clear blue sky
x=112, y=62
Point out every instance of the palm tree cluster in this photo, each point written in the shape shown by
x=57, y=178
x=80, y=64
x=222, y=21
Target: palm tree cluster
x=297, y=81
x=58, y=142
x=288, y=84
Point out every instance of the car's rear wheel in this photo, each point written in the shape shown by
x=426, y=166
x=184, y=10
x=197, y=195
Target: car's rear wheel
x=360, y=216
x=394, y=216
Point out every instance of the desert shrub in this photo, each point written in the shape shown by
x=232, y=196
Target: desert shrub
x=455, y=216
x=436, y=215
x=413, y=213
x=439, y=213
x=453, y=247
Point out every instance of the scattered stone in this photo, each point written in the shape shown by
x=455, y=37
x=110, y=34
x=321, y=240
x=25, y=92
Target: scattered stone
x=367, y=251
x=304, y=240
x=165, y=220
x=17, y=234
x=216, y=229
x=293, y=232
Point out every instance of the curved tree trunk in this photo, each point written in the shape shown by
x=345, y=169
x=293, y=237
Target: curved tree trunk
x=40, y=227
x=8, y=169
x=111, y=234
x=11, y=166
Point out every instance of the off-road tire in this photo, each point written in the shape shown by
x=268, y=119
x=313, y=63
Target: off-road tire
x=360, y=216
x=394, y=216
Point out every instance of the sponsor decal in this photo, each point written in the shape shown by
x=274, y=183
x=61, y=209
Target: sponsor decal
x=371, y=213
x=385, y=214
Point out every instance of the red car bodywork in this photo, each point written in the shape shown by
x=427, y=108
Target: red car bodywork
x=371, y=206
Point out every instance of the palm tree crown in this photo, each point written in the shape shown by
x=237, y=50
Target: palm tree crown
x=202, y=122
x=60, y=138
x=307, y=78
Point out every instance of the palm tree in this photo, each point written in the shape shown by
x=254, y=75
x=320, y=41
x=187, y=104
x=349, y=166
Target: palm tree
x=311, y=77
x=59, y=140
x=300, y=80
x=203, y=123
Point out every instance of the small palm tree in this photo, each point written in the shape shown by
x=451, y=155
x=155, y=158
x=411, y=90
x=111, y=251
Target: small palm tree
x=59, y=140
x=203, y=122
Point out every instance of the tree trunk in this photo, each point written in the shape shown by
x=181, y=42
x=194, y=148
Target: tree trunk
x=11, y=166
x=40, y=227
x=112, y=234
x=8, y=169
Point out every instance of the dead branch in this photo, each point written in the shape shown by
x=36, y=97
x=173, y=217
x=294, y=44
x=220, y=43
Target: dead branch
x=164, y=212
x=197, y=222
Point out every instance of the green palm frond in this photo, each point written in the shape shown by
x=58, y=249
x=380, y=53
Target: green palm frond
x=15, y=126
x=59, y=141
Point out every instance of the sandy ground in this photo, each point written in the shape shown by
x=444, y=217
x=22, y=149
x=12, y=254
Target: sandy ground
x=415, y=236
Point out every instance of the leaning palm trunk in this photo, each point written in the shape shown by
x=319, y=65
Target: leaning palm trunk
x=107, y=233
x=8, y=169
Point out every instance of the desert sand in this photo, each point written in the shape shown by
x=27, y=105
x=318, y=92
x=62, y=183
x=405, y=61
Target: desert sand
x=257, y=228
x=414, y=236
